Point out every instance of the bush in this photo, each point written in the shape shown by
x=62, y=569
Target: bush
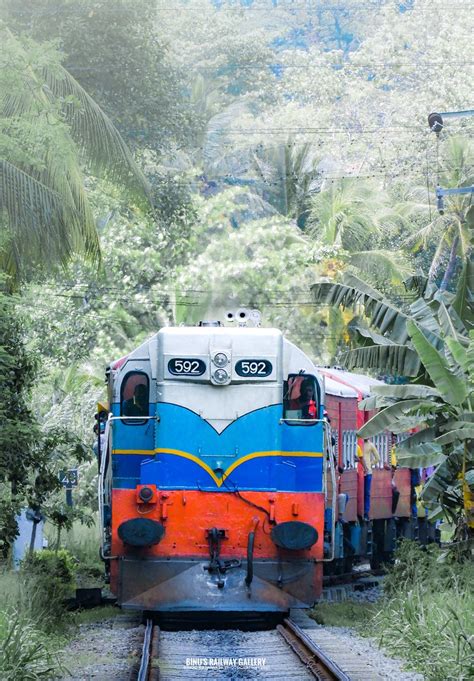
x=426, y=616
x=47, y=579
x=25, y=653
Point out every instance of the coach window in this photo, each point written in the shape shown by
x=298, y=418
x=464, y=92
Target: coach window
x=135, y=397
x=301, y=398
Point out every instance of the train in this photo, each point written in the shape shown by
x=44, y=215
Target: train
x=228, y=476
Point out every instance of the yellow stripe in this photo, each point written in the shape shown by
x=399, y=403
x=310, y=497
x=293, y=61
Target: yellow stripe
x=200, y=462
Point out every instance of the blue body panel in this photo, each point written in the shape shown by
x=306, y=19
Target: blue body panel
x=183, y=451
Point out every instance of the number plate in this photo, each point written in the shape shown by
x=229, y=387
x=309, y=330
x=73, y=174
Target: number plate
x=253, y=368
x=183, y=366
x=68, y=478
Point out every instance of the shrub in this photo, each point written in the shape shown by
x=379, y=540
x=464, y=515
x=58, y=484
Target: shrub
x=25, y=652
x=47, y=579
x=426, y=616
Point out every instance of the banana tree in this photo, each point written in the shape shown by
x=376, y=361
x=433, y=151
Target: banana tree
x=443, y=417
x=432, y=342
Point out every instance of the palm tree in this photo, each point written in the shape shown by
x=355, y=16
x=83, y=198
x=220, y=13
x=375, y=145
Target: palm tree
x=357, y=217
x=50, y=131
x=450, y=231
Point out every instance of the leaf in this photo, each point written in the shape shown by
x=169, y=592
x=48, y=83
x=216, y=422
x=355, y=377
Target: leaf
x=463, y=302
x=387, y=418
x=412, y=442
x=451, y=324
x=45, y=228
x=361, y=333
x=101, y=144
x=384, y=316
x=392, y=359
x=460, y=355
x=422, y=458
x=404, y=392
x=455, y=435
x=452, y=389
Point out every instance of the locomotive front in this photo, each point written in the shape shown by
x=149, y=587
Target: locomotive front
x=212, y=485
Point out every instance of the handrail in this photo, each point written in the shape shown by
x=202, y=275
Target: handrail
x=100, y=483
x=327, y=428
x=102, y=470
x=283, y=420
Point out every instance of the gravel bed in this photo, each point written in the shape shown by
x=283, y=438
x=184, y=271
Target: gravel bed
x=368, y=650
x=103, y=650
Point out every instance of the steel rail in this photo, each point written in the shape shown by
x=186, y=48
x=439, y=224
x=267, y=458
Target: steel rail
x=317, y=662
x=143, y=672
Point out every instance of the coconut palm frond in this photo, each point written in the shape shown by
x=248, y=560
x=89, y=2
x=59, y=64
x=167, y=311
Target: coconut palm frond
x=53, y=89
x=384, y=316
x=389, y=266
x=43, y=228
x=101, y=144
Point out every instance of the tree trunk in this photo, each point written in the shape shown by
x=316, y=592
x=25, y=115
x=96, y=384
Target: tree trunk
x=448, y=275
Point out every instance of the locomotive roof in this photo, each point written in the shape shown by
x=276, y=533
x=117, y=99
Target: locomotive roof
x=346, y=384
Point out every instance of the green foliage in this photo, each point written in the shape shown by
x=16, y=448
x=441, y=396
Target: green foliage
x=49, y=126
x=48, y=578
x=426, y=616
x=115, y=52
x=344, y=614
x=25, y=653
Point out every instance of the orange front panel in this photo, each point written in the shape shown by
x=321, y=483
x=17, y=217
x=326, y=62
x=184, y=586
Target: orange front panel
x=187, y=515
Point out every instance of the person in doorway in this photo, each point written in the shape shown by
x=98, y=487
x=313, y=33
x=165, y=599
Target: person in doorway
x=138, y=404
x=307, y=401
x=369, y=457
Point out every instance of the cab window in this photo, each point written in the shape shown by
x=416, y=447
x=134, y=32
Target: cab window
x=135, y=397
x=301, y=398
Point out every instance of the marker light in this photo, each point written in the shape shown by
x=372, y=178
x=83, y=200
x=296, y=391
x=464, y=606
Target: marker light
x=220, y=376
x=145, y=494
x=220, y=360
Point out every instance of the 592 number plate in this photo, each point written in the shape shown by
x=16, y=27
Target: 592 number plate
x=183, y=366
x=253, y=368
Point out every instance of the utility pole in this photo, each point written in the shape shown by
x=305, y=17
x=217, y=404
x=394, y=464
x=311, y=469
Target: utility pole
x=436, y=123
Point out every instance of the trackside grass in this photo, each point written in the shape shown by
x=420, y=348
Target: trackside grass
x=425, y=616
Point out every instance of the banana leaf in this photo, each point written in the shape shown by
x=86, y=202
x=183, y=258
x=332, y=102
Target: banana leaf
x=423, y=459
x=393, y=359
x=452, y=388
x=463, y=302
x=411, y=443
x=384, y=316
x=405, y=392
x=389, y=418
x=455, y=436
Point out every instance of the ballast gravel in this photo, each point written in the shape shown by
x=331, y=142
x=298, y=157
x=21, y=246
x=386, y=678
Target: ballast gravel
x=367, y=650
x=106, y=650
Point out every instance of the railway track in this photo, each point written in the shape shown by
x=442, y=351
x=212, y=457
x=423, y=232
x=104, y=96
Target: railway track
x=285, y=652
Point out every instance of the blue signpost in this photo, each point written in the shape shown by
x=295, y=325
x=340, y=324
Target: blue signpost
x=68, y=480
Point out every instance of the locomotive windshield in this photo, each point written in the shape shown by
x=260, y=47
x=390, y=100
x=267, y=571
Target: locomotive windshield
x=300, y=398
x=135, y=396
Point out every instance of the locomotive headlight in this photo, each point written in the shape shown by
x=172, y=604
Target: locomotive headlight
x=220, y=376
x=220, y=360
x=145, y=494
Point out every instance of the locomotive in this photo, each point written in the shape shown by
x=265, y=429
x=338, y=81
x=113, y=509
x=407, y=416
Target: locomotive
x=225, y=474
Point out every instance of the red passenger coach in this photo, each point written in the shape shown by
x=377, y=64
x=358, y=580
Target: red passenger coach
x=393, y=510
